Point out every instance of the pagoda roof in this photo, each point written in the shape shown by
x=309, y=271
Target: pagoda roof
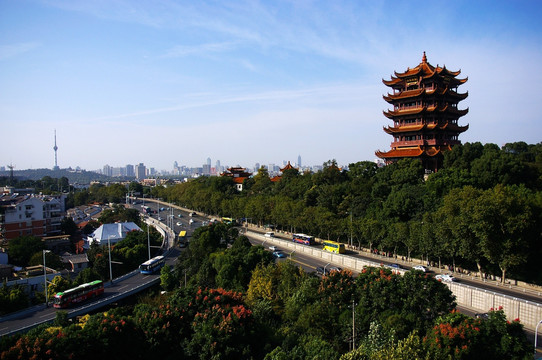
x=236, y=172
x=287, y=167
x=390, y=114
x=419, y=127
x=412, y=152
x=410, y=94
x=424, y=71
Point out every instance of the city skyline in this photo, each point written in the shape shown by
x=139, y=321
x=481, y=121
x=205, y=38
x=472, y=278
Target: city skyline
x=248, y=82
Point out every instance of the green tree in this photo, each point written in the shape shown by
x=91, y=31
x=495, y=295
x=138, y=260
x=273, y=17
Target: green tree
x=12, y=298
x=167, y=279
x=68, y=226
x=58, y=284
x=23, y=247
x=52, y=260
x=504, y=222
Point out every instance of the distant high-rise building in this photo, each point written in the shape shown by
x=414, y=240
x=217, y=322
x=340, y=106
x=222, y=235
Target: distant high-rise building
x=209, y=161
x=218, y=168
x=299, y=161
x=130, y=170
x=140, y=171
x=206, y=169
x=256, y=167
x=107, y=170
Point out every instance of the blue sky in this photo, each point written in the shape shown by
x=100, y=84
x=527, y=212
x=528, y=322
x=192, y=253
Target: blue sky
x=125, y=82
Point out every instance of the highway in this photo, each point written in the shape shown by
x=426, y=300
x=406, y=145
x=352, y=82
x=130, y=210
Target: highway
x=513, y=291
x=121, y=287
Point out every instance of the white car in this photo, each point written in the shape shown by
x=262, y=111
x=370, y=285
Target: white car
x=273, y=248
x=269, y=234
x=191, y=221
x=445, y=277
x=179, y=223
x=420, y=267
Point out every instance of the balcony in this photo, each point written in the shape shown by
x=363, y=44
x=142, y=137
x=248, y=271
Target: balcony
x=409, y=143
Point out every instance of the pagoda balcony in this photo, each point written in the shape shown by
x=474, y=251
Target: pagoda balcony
x=408, y=143
x=431, y=142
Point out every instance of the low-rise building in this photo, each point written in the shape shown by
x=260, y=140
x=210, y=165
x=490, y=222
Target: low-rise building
x=111, y=233
x=30, y=214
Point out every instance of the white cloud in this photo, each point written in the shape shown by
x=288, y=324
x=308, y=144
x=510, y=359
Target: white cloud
x=12, y=50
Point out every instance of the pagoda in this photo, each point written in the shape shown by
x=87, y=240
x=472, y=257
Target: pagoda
x=424, y=114
x=238, y=174
x=282, y=170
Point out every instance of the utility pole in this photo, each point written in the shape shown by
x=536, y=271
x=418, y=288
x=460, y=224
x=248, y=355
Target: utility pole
x=353, y=325
x=149, y=238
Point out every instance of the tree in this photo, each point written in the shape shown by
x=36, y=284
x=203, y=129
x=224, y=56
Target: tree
x=12, y=298
x=262, y=182
x=52, y=260
x=23, y=247
x=167, y=279
x=57, y=285
x=455, y=217
x=504, y=221
x=68, y=226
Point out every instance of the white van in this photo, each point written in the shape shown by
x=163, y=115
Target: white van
x=269, y=234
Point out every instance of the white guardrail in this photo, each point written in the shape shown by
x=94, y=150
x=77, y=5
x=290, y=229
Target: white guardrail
x=476, y=299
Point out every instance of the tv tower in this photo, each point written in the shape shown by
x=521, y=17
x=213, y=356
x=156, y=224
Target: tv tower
x=55, y=148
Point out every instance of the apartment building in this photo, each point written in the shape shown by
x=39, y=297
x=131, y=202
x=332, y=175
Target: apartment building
x=30, y=214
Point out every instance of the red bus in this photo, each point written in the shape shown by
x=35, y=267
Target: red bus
x=303, y=239
x=79, y=294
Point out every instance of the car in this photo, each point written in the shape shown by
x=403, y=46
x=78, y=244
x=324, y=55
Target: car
x=159, y=218
x=445, y=278
x=162, y=209
x=320, y=270
x=395, y=266
x=179, y=223
x=193, y=213
x=278, y=254
x=191, y=221
x=182, y=244
x=483, y=316
x=273, y=248
x=420, y=268
x=180, y=215
x=325, y=271
x=269, y=234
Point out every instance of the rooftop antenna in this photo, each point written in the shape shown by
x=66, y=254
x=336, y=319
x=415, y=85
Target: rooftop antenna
x=55, y=148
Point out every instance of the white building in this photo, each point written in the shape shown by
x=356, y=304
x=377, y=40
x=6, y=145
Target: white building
x=112, y=233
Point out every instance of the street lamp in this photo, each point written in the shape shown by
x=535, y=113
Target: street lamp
x=45, y=277
x=110, y=268
x=149, y=238
x=536, y=336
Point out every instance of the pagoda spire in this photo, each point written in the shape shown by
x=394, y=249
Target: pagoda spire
x=424, y=58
